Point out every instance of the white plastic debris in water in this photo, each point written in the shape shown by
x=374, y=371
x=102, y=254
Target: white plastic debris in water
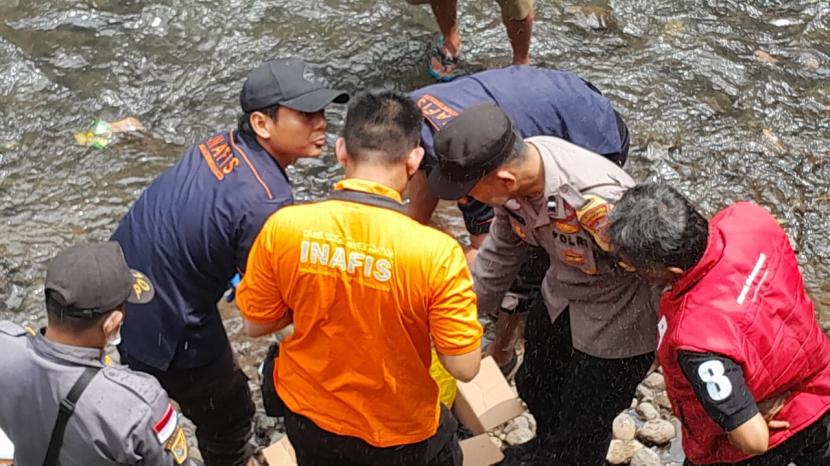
x=6, y=447
x=783, y=22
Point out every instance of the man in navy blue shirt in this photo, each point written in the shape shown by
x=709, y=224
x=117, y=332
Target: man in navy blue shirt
x=190, y=232
x=540, y=102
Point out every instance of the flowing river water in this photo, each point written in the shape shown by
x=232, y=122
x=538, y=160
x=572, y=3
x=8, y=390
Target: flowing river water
x=727, y=99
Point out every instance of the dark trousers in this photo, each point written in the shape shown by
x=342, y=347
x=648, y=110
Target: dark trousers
x=573, y=396
x=317, y=447
x=810, y=447
x=217, y=399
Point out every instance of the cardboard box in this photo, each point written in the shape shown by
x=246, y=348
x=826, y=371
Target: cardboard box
x=487, y=401
x=478, y=451
x=280, y=453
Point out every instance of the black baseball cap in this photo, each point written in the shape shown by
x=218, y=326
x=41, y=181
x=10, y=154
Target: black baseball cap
x=284, y=81
x=93, y=278
x=470, y=146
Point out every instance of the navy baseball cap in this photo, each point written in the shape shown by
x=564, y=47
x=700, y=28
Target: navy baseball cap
x=285, y=81
x=93, y=278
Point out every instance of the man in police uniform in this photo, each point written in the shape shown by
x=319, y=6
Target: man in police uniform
x=540, y=102
x=190, y=232
x=598, y=333
x=109, y=414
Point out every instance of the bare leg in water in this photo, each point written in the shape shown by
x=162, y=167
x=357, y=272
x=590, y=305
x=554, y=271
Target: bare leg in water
x=519, y=32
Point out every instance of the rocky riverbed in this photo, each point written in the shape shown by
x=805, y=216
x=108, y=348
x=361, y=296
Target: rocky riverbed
x=646, y=434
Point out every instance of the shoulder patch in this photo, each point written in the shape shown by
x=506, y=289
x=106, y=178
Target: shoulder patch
x=13, y=329
x=177, y=446
x=143, y=385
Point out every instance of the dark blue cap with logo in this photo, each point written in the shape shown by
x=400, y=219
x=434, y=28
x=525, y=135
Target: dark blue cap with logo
x=285, y=81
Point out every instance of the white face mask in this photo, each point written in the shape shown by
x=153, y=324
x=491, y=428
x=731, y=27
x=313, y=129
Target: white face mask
x=116, y=340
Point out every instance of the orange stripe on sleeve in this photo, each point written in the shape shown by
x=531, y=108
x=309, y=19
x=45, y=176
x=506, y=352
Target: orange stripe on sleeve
x=251, y=166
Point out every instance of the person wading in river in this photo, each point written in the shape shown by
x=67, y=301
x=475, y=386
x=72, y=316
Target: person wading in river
x=190, y=231
x=517, y=16
x=369, y=291
x=598, y=321
x=747, y=365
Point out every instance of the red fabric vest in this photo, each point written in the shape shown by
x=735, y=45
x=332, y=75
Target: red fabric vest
x=745, y=299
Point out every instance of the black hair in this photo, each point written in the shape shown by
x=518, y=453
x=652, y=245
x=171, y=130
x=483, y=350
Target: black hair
x=653, y=227
x=243, y=124
x=69, y=318
x=519, y=151
x=382, y=126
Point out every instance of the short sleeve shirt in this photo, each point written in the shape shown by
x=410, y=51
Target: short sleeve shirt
x=371, y=291
x=540, y=102
x=190, y=232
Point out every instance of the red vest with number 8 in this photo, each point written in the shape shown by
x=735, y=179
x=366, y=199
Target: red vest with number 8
x=744, y=299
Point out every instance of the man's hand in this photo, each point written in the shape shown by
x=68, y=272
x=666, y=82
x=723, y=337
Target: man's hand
x=770, y=408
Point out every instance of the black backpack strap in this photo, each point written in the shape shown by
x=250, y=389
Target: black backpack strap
x=367, y=198
x=67, y=407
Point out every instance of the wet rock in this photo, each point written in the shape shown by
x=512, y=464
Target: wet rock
x=531, y=421
x=519, y=436
x=644, y=393
x=517, y=423
x=656, y=432
x=655, y=381
x=624, y=427
x=662, y=400
x=645, y=457
x=634, y=403
x=648, y=411
x=621, y=451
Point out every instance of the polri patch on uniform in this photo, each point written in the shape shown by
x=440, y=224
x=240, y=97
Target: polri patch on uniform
x=177, y=446
x=167, y=425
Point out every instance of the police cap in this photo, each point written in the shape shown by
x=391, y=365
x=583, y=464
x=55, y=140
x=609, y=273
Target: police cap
x=473, y=144
x=93, y=278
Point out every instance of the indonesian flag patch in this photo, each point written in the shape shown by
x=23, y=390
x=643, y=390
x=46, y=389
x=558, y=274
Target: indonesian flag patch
x=166, y=426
